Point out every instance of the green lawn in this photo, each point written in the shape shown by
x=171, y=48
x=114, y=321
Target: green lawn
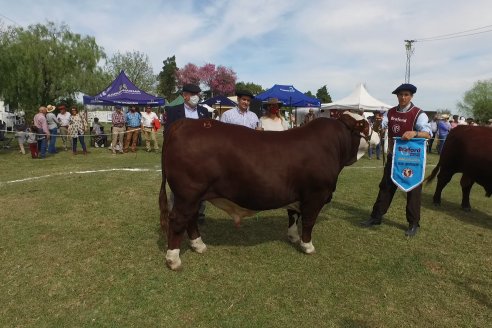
x=85, y=250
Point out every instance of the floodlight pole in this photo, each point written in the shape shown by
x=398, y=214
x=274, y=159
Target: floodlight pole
x=410, y=50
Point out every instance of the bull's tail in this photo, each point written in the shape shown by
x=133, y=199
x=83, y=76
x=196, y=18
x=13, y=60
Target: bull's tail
x=433, y=173
x=163, y=204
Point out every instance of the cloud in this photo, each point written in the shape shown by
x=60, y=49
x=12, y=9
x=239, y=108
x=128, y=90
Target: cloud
x=308, y=44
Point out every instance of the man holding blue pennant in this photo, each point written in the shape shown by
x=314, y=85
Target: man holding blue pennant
x=406, y=122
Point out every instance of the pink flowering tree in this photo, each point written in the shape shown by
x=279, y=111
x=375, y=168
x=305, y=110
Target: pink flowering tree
x=190, y=73
x=218, y=80
x=223, y=82
x=207, y=73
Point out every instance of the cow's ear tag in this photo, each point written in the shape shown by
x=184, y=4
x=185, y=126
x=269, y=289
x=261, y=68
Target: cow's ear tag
x=207, y=124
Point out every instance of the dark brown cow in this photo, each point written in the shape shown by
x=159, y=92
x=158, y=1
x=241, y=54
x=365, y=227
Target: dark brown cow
x=243, y=171
x=468, y=149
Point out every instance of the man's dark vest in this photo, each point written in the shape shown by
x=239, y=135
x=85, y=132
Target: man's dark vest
x=399, y=122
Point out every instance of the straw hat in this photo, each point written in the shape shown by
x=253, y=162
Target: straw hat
x=50, y=108
x=272, y=101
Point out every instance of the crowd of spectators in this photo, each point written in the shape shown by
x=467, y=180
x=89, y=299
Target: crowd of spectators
x=127, y=130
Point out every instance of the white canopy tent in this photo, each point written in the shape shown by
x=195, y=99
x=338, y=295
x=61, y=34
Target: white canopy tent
x=359, y=99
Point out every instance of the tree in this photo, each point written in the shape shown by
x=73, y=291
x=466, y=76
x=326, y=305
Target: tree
x=167, y=86
x=477, y=101
x=323, y=95
x=250, y=86
x=44, y=63
x=190, y=73
x=207, y=74
x=137, y=67
x=223, y=82
x=309, y=94
x=218, y=81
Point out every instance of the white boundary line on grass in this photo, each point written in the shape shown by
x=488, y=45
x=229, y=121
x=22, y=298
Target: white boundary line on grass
x=130, y=170
x=77, y=172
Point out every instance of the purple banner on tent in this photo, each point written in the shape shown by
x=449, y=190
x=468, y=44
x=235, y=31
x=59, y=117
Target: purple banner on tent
x=123, y=92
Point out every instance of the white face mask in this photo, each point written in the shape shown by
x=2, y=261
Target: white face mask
x=194, y=100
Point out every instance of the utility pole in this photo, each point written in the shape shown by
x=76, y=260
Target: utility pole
x=409, y=48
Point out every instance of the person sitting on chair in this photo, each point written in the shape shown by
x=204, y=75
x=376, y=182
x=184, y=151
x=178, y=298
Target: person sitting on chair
x=98, y=132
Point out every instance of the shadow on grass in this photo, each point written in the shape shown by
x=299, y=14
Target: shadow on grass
x=471, y=288
x=356, y=215
x=349, y=323
x=453, y=209
x=253, y=231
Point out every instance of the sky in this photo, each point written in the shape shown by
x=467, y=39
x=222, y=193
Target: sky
x=308, y=44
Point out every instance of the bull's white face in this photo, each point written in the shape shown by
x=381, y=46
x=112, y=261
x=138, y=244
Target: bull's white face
x=364, y=145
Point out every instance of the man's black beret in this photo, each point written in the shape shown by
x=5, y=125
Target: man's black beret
x=405, y=87
x=192, y=88
x=248, y=93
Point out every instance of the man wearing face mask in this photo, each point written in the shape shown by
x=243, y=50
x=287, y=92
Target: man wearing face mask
x=188, y=109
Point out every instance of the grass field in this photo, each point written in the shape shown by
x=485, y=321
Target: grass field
x=85, y=250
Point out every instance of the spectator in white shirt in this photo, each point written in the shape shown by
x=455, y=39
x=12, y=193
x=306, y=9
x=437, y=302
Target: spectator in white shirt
x=148, y=118
x=64, y=119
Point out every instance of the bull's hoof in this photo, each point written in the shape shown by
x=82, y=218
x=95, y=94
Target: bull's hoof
x=466, y=209
x=293, y=234
x=172, y=259
x=293, y=239
x=198, y=245
x=307, y=248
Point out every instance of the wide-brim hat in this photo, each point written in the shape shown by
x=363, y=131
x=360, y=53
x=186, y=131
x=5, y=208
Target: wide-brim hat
x=247, y=93
x=50, y=108
x=192, y=88
x=405, y=87
x=272, y=101
x=444, y=116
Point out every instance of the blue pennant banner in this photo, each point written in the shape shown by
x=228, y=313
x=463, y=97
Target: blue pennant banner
x=409, y=158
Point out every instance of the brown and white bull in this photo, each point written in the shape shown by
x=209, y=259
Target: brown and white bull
x=468, y=149
x=243, y=171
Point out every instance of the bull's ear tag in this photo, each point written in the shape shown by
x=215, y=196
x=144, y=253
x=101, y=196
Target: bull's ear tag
x=207, y=124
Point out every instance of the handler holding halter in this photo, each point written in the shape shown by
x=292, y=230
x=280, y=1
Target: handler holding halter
x=406, y=121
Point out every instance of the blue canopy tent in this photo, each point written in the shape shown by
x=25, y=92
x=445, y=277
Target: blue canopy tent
x=289, y=96
x=220, y=101
x=122, y=91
